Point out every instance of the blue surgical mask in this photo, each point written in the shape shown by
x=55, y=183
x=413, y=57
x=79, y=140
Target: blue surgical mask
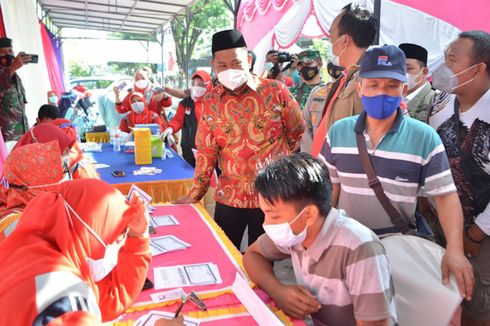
x=380, y=106
x=53, y=99
x=138, y=107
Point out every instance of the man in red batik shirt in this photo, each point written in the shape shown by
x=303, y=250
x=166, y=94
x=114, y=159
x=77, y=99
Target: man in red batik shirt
x=246, y=123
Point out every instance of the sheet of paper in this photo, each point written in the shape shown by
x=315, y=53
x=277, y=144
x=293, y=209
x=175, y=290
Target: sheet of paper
x=166, y=243
x=167, y=295
x=186, y=275
x=256, y=307
x=150, y=318
x=143, y=195
x=101, y=165
x=163, y=220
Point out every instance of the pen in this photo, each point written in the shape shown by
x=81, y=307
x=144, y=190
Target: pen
x=183, y=299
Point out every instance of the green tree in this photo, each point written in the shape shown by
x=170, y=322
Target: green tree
x=200, y=20
x=80, y=70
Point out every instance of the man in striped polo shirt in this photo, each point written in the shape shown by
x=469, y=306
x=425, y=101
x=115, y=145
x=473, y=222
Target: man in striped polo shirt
x=407, y=155
x=340, y=266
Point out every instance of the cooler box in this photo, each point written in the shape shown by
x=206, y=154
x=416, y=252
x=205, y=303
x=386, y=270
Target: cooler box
x=154, y=127
x=142, y=146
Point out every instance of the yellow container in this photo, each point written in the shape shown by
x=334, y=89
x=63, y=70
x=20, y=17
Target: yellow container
x=142, y=146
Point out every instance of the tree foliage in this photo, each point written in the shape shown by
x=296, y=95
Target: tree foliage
x=199, y=21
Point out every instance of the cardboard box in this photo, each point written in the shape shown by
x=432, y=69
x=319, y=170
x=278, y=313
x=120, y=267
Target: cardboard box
x=142, y=146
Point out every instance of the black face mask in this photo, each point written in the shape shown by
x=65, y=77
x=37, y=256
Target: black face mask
x=334, y=71
x=308, y=73
x=6, y=60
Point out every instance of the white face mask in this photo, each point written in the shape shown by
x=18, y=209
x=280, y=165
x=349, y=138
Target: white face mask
x=335, y=59
x=142, y=83
x=444, y=79
x=197, y=92
x=99, y=268
x=233, y=78
x=138, y=107
x=412, y=80
x=268, y=66
x=282, y=234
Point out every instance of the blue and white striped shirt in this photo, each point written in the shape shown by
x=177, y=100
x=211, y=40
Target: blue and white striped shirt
x=410, y=160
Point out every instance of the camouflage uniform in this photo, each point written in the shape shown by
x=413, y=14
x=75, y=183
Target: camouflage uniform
x=302, y=91
x=13, y=120
x=419, y=105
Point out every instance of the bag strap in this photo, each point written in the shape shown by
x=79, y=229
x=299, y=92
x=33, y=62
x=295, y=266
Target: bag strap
x=374, y=183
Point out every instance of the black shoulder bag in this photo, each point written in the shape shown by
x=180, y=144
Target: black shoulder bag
x=421, y=229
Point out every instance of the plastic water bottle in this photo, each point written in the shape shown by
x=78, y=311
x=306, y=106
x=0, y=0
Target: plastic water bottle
x=117, y=142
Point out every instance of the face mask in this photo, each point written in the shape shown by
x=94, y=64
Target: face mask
x=6, y=60
x=282, y=234
x=381, y=106
x=445, y=80
x=232, y=78
x=295, y=77
x=138, y=107
x=309, y=73
x=99, y=268
x=197, y=92
x=412, y=80
x=53, y=99
x=335, y=59
x=268, y=66
x=142, y=83
x=334, y=71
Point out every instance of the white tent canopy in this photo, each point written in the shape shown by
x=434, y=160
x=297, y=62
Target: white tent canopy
x=130, y=16
x=22, y=26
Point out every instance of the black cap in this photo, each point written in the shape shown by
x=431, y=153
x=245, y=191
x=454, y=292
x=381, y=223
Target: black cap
x=385, y=61
x=228, y=39
x=414, y=51
x=5, y=42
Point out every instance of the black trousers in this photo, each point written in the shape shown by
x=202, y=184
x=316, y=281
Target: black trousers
x=234, y=220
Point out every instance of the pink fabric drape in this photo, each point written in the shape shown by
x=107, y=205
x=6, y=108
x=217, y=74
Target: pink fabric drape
x=465, y=15
x=2, y=26
x=53, y=62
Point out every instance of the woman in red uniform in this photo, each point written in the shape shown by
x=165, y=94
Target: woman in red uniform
x=155, y=98
x=78, y=256
x=140, y=114
x=189, y=113
x=30, y=171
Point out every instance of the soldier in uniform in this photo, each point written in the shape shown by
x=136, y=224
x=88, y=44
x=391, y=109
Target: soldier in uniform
x=309, y=66
x=13, y=120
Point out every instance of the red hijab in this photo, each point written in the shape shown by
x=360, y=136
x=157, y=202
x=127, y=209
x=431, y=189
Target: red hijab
x=46, y=132
x=30, y=165
x=206, y=78
x=45, y=240
x=144, y=117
